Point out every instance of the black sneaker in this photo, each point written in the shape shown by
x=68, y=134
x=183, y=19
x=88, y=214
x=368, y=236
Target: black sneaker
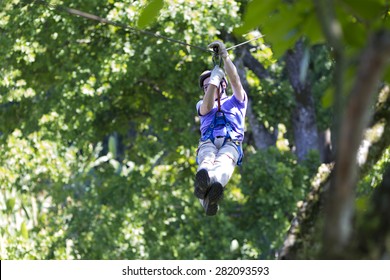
x=202, y=183
x=213, y=197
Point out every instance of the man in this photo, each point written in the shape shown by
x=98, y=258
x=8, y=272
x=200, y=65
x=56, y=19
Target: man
x=222, y=120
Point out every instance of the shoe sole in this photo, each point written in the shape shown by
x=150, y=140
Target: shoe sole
x=202, y=182
x=214, y=196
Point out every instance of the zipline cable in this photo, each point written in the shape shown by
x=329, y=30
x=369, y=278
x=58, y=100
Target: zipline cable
x=114, y=23
x=89, y=16
x=244, y=43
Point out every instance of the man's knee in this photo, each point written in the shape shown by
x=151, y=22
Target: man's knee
x=228, y=153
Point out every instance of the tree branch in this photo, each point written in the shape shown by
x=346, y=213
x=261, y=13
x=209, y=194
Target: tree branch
x=340, y=205
x=253, y=64
x=262, y=138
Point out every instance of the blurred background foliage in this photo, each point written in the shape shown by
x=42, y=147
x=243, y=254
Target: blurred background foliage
x=98, y=131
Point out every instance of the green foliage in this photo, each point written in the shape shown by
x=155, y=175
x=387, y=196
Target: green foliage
x=274, y=102
x=374, y=177
x=283, y=22
x=271, y=18
x=272, y=184
x=273, y=99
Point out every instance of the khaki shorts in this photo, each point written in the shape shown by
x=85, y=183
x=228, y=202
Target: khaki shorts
x=218, y=158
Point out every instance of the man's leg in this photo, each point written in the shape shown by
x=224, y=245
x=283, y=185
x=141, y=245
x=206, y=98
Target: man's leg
x=221, y=169
x=225, y=162
x=206, y=157
x=207, y=189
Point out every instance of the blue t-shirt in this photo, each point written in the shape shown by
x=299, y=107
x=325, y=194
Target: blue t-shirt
x=234, y=111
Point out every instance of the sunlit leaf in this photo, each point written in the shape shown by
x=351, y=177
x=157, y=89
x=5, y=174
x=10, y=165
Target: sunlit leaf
x=24, y=230
x=150, y=12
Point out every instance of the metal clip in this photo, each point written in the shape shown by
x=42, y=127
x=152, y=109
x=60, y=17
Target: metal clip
x=217, y=59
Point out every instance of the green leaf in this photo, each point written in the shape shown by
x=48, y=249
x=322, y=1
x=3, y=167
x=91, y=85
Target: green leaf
x=312, y=29
x=367, y=9
x=10, y=204
x=24, y=230
x=354, y=34
x=386, y=23
x=150, y=12
x=327, y=99
x=256, y=13
x=281, y=31
x=362, y=204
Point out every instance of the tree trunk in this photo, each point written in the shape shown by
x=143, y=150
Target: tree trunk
x=301, y=236
x=340, y=205
x=304, y=115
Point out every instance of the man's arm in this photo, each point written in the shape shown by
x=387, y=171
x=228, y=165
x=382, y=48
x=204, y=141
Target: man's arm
x=231, y=71
x=209, y=98
x=234, y=79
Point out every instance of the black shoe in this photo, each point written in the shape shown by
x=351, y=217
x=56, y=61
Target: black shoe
x=202, y=183
x=213, y=197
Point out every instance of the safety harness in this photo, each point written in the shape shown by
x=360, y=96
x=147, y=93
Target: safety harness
x=218, y=121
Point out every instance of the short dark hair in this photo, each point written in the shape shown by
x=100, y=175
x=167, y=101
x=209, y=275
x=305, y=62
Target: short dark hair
x=206, y=74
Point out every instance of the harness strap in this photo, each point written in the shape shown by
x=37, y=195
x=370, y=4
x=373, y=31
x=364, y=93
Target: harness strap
x=217, y=60
x=220, y=120
x=219, y=102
